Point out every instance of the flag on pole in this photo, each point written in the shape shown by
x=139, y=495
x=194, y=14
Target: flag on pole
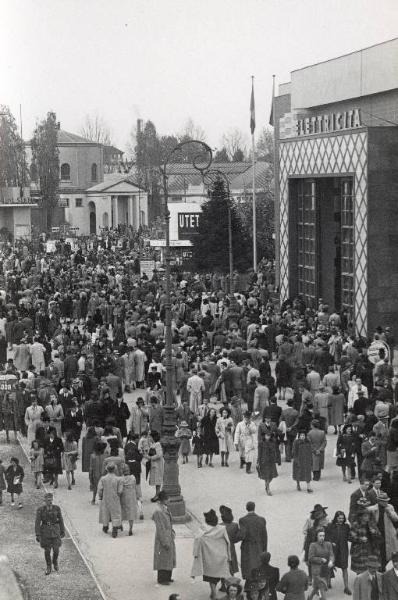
x=271, y=117
x=252, y=110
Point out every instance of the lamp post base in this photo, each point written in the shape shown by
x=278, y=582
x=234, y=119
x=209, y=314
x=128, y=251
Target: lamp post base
x=170, y=445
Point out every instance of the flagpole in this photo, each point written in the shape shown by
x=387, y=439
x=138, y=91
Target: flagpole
x=254, y=185
x=276, y=182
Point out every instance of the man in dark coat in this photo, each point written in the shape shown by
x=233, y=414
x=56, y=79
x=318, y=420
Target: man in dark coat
x=390, y=580
x=254, y=540
x=50, y=530
x=364, y=491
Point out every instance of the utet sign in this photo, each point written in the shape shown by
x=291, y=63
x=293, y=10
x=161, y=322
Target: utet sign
x=374, y=348
x=188, y=225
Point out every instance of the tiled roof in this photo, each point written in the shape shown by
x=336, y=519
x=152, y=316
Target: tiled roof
x=64, y=137
x=245, y=180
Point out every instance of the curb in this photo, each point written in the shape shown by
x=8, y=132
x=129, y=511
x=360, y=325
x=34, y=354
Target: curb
x=72, y=536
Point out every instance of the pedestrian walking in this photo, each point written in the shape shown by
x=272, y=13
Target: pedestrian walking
x=96, y=467
x=302, y=461
x=50, y=530
x=245, y=441
x=198, y=445
x=110, y=488
x=321, y=559
x=14, y=476
x=164, y=555
x=36, y=457
x=338, y=533
x=266, y=460
x=3, y=485
x=318, y=442
x=184, y=434
x=294, y=583
x=212, y=554
x=224, y=431
x=128, y=498
x=156, y=461
x=369, y=584
x=70, y=456
x=253, y=530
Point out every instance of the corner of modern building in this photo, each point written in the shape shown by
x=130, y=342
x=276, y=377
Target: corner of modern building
x=336, y=131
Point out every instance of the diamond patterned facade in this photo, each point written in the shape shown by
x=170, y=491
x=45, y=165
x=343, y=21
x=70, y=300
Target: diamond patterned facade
x=334, y=155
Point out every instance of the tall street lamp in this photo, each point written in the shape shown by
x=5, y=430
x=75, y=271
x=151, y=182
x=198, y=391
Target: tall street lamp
x=214, y=174
x=170, y=444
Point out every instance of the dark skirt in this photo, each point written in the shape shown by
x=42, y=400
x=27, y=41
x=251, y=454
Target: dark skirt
x=208, y=579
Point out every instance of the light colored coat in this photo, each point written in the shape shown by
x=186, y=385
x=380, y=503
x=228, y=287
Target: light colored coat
x=245, y=439
x=32, y=418
x=157, y=465
x=363, y=589
x=164, y=554
x=22, y=357
x=37, y=351
x=224, y=431
x=318, y=441
x=128, y=499
x=212, y=553
x=110, y=488
x=390, y=533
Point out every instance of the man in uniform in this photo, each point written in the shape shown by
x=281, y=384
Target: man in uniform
x=50, y=530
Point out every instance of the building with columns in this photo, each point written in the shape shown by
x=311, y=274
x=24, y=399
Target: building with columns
x=90, y=198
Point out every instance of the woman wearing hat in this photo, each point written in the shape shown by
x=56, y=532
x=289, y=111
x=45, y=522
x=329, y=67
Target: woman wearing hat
x=184, y=434
x=234, y=535
x=365, y=538
x=212, y=553
x=318, y=518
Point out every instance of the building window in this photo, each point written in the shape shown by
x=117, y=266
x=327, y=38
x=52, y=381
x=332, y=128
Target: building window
x=63, y=202
x=65, y=172
x=79, y=202
x=93, y=172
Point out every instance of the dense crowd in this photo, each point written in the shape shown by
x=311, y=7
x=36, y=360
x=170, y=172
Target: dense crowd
x=81, y=327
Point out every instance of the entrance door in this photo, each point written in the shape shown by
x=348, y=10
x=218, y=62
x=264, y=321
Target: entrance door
x=307, y=241
x=93, y=218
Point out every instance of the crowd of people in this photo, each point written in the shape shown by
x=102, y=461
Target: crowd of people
x=82, y=327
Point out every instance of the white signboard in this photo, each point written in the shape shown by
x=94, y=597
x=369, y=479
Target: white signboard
x=147, y=267
x=373, y=351
x=50, y=246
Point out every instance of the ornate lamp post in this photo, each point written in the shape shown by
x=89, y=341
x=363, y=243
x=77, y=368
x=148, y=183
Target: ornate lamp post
x=170, y=443
x=212, y=175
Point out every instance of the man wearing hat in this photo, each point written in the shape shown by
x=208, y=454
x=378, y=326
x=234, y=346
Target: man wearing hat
x=387, y=521
x=139, y=417
x=50, y=530
x=164, y=556
x=390, y=580
x=364, y=492
x=369, y=584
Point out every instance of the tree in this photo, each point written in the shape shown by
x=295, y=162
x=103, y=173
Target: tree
x=221, y=156
x=191, y=131
x=265, y=145
x=95, y=129
x=210, y=245
x=12, y=151
x=234, y=140
x=45, y=157
x=238, y=155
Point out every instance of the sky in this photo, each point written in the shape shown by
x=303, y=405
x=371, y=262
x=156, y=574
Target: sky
x=170, y=60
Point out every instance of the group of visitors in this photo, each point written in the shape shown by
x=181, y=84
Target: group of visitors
x=80, y=328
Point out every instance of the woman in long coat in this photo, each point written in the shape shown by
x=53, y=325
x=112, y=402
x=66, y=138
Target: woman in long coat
x=32, y=419
x=22, y=357
x=155, y=456
x=128, y=499
x=266, y=460
x=345, y=450
x=164, y=555
x=321, y=559
x=55, y=414
x=302, y=460
x=110, y=488
x=234, y=535
x=317, y=437
x=336, y=408
x=210, y=439
x=96, y=467
x=338, y=533
x=93, y=435
x=53, y=450
x=212, y=553
x=224, y=431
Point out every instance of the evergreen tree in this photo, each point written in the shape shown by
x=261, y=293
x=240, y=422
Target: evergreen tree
x=221, y=156
x=210, y=245
x=12, y=152
x=45, y=157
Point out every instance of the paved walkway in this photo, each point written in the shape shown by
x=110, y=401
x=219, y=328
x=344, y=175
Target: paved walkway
x=123, y=566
